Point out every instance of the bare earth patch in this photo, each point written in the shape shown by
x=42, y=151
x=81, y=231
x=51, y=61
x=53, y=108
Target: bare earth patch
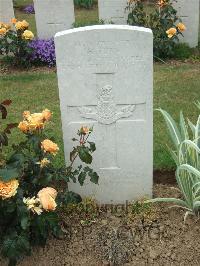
x=160, y=238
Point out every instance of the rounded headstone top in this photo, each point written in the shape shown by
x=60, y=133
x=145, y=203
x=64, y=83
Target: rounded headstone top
x=104, y=27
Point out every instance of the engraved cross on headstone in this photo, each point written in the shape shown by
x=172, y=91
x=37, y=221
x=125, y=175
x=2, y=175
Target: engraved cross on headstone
x=106, y=113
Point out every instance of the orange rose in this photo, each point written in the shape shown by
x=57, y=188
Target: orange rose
x=162, y=3
x=7, y=26
x=24, y=126
x=13, y=20
x=35, y=121
x=8, y=189
x=47, y=198
x=49, y=146
x=171, y=32
x=3, y=31
x=84, y=130
x=181, y=27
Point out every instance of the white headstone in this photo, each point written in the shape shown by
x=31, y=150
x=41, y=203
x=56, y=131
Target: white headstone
x=113, y=11
x=53, y=16
x=6, y=11
x=188, y=10
x=105, y=80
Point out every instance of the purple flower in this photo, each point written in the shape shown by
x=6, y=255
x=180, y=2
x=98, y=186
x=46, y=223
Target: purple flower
x=29, y=9
x=43, y=52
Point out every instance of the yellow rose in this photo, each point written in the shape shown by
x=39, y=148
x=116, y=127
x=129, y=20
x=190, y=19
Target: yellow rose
x=44, y=162
x=25, y=24
x=3, y=31
x=171, y=32
x=28, y=35
x=47, y=198
x=19, y=25
x=49, y=146
x=46, y=114
x=181, y=27
x=24, y=126
x=35, y=125
x=36, y=117
x=36, y=121
x=8, y=189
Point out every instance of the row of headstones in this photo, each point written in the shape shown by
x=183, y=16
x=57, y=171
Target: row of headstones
x=55, y=16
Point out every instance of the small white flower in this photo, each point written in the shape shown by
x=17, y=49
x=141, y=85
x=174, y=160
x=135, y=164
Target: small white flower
x=33, y=204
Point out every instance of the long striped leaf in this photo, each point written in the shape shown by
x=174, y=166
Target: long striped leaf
x=189, y=169
x=173, y=200
x=172, y=127
x=183, y=127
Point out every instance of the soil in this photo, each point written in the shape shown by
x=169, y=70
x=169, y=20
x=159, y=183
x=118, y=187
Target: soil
x=164, y=177
x=154, y=237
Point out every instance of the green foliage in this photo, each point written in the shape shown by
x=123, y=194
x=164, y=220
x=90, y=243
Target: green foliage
x=29, y=208
x=85, y=3
x=186, y=154
x=87, y=210
x=182, y=51
x=7, y=130
x=140, y=207
x=14, y=47
x=14, y=245
x=160, y=19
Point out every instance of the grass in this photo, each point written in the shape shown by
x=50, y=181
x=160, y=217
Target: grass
x=175, y=88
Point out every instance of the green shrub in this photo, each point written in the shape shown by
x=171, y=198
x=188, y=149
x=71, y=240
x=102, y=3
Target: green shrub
x=163, y=21
x=14, y=39
x=88, y=23
x=182, y=51
x=85, y=3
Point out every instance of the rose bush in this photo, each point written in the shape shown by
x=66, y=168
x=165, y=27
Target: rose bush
x=14, y=39
x=30, y=197
x=163, y=21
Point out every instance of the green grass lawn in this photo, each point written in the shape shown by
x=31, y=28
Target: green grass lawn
x=175, y=88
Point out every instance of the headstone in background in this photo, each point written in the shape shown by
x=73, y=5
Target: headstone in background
x=113, y=11
x=188, y=10
x=105, y=78
x=53, y=16
x=6, y=11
